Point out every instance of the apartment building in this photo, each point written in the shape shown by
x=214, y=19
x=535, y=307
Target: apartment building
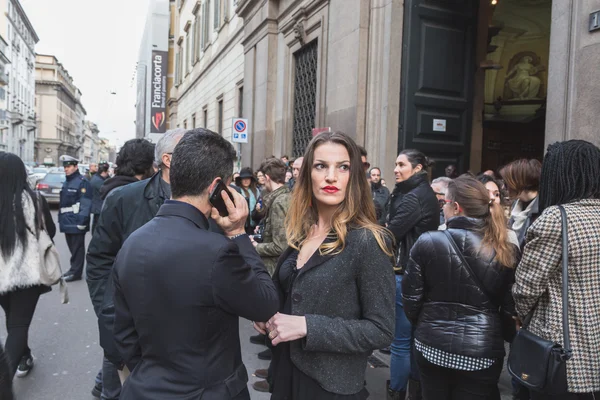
x=60, y=112
x=208, y=88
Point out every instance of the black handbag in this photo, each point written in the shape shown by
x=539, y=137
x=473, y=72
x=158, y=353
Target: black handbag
x=537, y=363
x=507, y=322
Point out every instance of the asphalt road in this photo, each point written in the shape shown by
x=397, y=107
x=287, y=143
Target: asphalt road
x=64, y=342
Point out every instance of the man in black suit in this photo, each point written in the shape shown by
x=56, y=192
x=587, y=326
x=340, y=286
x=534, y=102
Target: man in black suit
x=180, y=289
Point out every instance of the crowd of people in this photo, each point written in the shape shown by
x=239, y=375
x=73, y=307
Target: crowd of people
x=328, y=264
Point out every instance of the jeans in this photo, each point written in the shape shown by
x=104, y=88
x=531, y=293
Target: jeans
x=111, y=384
x=439, y=383
x=401, y=368
x=19, y=306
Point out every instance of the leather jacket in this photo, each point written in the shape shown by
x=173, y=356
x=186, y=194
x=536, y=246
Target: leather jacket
x=412, y=210
x=451, y=311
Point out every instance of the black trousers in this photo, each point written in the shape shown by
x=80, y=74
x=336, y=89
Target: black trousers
x=95, y=222
x=5, y=377
x=19, y=306
x=76, y=243
x=439, y=383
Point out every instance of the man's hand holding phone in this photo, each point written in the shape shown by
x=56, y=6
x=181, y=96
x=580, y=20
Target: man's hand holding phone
x=234, y=223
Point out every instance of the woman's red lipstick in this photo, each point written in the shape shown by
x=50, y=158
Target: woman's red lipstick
x=331, y=189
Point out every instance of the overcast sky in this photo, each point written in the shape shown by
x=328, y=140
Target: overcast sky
x=98, y=43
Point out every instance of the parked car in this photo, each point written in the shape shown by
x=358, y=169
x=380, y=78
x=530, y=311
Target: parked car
x=50, y=186
x=37, y=174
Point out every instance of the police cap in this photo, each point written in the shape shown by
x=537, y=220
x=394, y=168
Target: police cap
x=68, y=160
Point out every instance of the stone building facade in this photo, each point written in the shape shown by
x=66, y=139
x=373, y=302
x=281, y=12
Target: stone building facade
x=60, y=112
x=4, y=122
x=19, y=132
x=91, y=143
x=208, y=86
x=475, y=83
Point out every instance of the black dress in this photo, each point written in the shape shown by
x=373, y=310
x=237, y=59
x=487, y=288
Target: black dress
x=289, y=383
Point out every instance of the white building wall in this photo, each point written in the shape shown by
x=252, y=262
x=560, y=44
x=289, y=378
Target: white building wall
x=21, y=90
x=216, y=76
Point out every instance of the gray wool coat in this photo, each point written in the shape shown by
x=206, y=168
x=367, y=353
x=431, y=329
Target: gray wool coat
x=348, y=300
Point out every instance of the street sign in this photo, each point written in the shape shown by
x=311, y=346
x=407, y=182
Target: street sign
x=239, y=129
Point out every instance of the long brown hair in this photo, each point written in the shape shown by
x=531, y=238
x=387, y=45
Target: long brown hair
x=474, y=199
x=357, y=209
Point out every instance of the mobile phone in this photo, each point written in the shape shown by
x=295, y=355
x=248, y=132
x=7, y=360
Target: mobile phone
x=216, y=200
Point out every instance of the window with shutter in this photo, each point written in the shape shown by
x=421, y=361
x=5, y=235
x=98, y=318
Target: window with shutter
x=205, y=23
x=177, y=68
x=187, y=53
x=197, y=39
x=217, y=14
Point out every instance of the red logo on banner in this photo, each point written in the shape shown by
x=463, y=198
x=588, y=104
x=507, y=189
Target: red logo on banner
x=158, y=120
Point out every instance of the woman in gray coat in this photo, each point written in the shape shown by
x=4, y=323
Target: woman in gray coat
x=336, y=280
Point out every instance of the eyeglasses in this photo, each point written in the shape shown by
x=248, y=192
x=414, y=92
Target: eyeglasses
x=443, y=202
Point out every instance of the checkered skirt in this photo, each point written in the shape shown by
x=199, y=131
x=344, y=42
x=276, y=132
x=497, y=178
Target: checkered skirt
x=538, y=277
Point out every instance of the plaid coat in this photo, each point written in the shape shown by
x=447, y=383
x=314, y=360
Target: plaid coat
x=538, y=277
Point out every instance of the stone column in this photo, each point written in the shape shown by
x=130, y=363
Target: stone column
x=348, y=41
x=260, y=73
x=573, y=84
x=383, y=85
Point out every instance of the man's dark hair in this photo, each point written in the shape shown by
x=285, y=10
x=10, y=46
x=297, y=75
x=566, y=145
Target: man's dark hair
x=135, y=158
x=103, y=168
x=377, y=168
x=275, y=168
x=199, y=158
x=363, y=151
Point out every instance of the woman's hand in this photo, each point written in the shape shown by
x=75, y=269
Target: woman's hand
x=286, y=328
x=518, y=322
x=260, y=327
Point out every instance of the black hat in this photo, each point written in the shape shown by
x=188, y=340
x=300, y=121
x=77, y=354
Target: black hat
x=245, y=173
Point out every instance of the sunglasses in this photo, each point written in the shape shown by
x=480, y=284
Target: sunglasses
x=367, y=165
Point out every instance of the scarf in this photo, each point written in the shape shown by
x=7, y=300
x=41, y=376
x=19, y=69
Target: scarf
x=520, y=216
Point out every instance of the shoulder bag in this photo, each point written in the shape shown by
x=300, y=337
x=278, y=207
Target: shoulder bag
x=537, y=363
x=507, y=322
x=50, y=270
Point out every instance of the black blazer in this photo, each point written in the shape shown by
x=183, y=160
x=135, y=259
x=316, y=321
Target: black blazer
x=179, y=292
x=348, y=300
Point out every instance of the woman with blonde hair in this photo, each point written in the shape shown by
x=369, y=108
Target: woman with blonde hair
x=336, y=279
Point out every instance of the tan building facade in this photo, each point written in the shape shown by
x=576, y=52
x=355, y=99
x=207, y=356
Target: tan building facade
x=209, y=66
x=472, y=83
x=59, y=110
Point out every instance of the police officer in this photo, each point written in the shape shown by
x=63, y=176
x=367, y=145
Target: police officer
x=74, y=217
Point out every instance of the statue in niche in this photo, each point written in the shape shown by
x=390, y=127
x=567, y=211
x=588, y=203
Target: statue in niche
x=522, y=81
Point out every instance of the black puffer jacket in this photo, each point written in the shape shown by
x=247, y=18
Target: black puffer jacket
x=412, y=209
x=451, y=312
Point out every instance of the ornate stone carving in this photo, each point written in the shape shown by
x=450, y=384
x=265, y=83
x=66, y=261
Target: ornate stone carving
x=299, y=32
